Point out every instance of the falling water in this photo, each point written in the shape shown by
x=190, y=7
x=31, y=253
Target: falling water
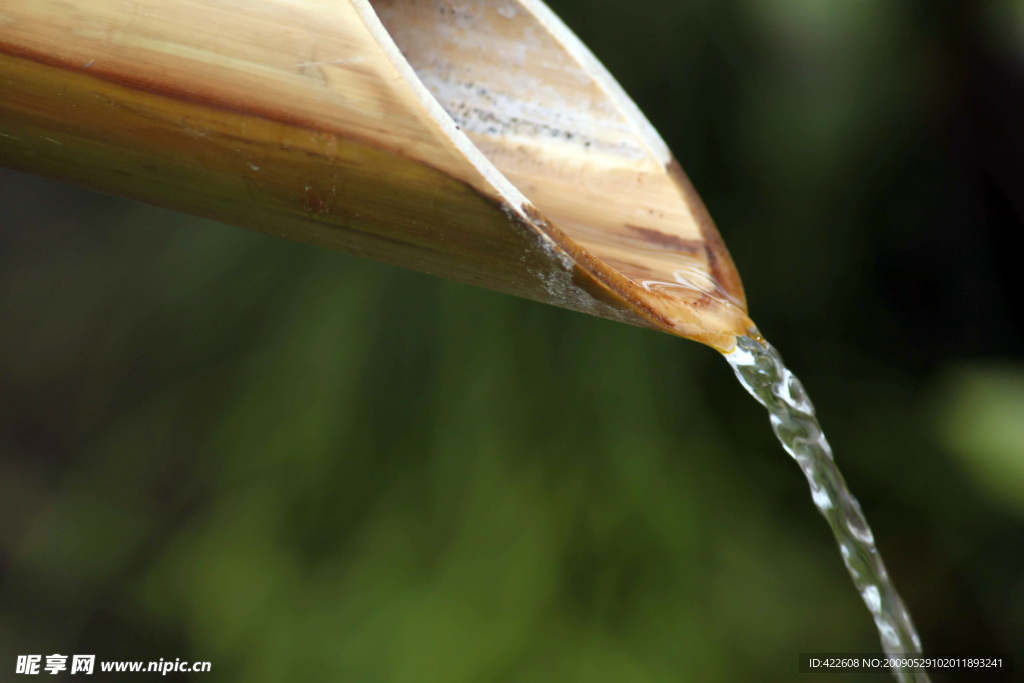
x=760, y=369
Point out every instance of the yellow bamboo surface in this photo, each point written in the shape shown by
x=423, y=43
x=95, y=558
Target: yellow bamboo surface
x=314, y=121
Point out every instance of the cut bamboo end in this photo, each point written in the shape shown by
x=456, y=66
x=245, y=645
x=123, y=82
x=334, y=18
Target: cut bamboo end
x=478, y=141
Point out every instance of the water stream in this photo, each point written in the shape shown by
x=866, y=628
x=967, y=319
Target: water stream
x=760, y=369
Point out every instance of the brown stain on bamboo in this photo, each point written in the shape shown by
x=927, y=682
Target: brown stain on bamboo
x=723, y=270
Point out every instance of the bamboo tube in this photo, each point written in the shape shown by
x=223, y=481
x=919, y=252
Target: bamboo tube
x=475, y=140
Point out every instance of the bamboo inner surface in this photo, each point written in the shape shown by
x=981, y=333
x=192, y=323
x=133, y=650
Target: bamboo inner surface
x=545, y=113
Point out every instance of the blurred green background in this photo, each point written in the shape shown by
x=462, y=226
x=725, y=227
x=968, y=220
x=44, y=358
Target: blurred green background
x=301, y=466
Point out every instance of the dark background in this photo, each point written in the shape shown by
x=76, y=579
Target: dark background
x=300, y=466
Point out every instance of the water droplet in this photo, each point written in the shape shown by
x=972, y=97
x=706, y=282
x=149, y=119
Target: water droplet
x=821, y=499
x=872, y=599
x=860, y=530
